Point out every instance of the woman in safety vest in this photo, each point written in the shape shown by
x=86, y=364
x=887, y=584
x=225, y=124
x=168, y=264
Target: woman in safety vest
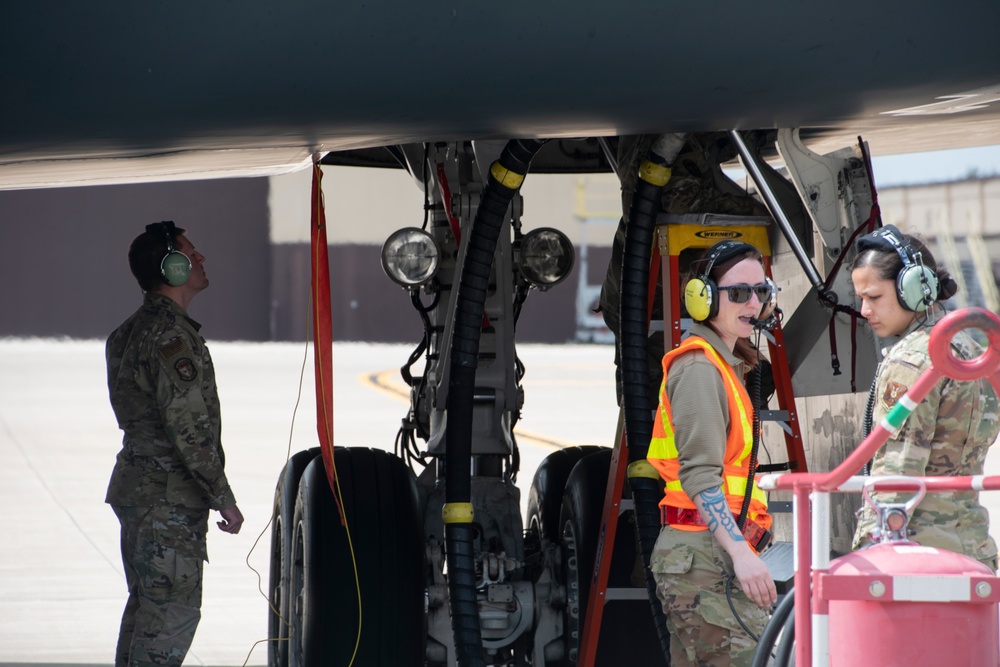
x=949, y=432
x=704, y=564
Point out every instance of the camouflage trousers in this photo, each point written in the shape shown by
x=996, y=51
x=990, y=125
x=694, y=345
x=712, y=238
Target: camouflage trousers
x=161, y=552
x=691, y=572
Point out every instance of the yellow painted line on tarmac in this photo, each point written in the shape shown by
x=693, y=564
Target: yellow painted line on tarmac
x=382, y=381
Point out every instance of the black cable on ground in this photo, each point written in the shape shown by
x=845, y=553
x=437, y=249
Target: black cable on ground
x=786, y=647
x=774, y=627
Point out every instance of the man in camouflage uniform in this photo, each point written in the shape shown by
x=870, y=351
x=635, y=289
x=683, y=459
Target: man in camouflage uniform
x=170, y=470
x=948, y=433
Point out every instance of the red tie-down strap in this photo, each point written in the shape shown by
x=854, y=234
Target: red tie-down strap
x=323, y=332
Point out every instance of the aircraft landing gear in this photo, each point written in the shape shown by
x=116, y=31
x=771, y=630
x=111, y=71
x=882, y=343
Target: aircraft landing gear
x=375, y=563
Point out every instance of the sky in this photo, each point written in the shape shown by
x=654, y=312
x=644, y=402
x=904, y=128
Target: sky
x=922, y=168
x=937, y=166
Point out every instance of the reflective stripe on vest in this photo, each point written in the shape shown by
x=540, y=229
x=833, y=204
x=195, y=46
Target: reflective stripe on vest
x=663, y=453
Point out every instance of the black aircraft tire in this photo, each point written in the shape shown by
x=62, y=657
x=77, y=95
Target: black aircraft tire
x=546, y=494
x=386, y=534
x=627, y=631
x=285, y=493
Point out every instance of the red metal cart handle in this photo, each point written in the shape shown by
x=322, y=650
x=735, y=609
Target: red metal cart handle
x=943, y=362
x=939, y=346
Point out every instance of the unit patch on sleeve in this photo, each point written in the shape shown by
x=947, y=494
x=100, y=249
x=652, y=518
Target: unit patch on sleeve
x=893, y=391
x=186, y=369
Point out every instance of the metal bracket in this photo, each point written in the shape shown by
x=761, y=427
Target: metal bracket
x=893, y=518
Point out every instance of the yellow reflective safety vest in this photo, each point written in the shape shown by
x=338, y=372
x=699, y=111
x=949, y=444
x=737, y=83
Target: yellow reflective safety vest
x=663, y=453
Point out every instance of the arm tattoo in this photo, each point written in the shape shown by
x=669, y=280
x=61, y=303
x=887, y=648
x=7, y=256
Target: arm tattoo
x=717, y=513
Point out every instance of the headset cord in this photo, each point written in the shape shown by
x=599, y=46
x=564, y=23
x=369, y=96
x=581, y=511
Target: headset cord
x=866, y=427
x=869, y=419
x=753, y=381
x=732, y=607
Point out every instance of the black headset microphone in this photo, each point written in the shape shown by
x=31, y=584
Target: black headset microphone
x=767, y=321
x=769, y=315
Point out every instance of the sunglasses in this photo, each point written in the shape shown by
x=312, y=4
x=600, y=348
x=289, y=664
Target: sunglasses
x=741, y=293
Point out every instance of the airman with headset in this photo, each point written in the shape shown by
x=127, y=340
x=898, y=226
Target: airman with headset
x=715, y=520
x=171, y=469
x=901, y=288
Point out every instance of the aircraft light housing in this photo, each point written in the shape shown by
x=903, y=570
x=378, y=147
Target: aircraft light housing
x=410, y=257
x=547, y=257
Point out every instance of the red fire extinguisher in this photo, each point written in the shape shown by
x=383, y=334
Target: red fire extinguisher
x=900, y=604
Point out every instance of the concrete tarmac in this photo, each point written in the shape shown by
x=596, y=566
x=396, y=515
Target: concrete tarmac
x=61, y=583
x=62, y=588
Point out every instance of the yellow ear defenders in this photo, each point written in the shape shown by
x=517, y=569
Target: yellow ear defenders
x=701, y=294
x=916, y=285
x=175, y=267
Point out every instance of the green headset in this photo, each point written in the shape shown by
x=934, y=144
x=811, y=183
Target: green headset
x=917, y=286
x=175, y=267
x=701, y=294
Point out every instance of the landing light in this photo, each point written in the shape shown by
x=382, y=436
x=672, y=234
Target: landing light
x=546, y=257
x=410, y=257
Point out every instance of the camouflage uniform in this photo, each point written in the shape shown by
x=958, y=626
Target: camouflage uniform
x=692, y=571
x=948, y=433
x=168, y=475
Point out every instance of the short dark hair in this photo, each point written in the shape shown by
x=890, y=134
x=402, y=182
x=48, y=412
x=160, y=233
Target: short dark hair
x=147, y=252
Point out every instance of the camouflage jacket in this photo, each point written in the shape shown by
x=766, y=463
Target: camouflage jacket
x=162, y=386
x=948, y=433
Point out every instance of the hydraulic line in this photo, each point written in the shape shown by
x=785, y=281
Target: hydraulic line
x=750, y=162
x=644, y=481
x=504, y=179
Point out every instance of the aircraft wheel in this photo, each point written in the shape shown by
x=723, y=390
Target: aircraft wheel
x=546, y=493
x=278, y=613
x=385, y=573
x=627, y=631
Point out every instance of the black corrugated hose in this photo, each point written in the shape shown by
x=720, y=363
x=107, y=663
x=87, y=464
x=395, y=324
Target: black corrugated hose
x=505, y=177
x=782, y=622
x=638, y=404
